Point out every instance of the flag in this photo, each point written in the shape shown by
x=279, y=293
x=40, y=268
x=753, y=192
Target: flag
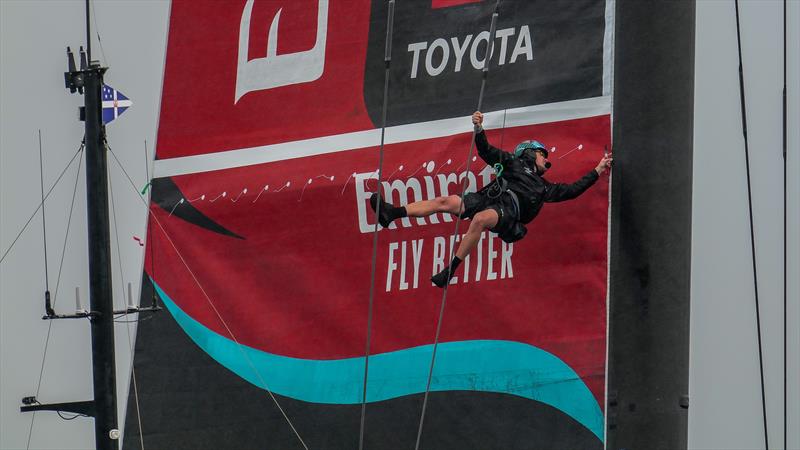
x=114, y=103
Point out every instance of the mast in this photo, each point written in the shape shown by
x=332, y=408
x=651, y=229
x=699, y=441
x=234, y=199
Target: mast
x=89, y=82
x=100, y=294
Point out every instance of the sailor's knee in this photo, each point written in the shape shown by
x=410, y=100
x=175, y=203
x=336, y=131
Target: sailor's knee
x=450, y=204
x=484, y=219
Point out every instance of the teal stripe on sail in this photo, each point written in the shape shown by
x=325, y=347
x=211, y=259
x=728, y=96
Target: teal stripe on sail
x=480, y=365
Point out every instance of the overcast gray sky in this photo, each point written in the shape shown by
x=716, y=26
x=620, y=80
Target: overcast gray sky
x=34, y=38
x=725, y=410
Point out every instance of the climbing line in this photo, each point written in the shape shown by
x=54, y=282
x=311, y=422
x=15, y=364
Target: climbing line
x=464, y=183
x=58, y=277
x=752, y=232
x=210, y=302
x=387, y=59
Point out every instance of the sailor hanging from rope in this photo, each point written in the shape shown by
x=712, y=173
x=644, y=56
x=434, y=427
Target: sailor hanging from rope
x=504, y=206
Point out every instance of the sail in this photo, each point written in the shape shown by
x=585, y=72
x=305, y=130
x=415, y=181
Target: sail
x=260, y=236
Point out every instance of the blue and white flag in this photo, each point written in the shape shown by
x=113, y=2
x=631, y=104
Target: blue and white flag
x=114, y=103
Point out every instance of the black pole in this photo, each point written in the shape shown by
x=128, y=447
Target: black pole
x=106, y=430
x=101, y=300
x=650, y=253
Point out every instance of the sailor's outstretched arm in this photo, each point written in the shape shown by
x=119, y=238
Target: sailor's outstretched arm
x=486, y=151
x=559, y=192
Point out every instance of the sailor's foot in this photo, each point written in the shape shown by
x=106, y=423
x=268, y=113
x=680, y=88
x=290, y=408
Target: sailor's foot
x=386, y=215
x=441, y=279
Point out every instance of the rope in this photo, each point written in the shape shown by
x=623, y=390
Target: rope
x=752, y=234
x=464, y=183
x=387, y=62
x=58, y=278
x=122, y=286
x=211, y=303
x=24, y=227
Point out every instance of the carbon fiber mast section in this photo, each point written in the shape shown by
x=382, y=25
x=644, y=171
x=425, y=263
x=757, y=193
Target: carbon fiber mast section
x=651, y=225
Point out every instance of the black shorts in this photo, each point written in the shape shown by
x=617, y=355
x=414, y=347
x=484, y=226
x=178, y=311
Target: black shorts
x=476, y=202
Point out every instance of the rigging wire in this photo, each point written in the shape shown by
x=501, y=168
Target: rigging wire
x=143, y=319
x=464, y=183
x=97, y=32
x=58, y=280
x=44, y=216
x=752, y=233
x=88, y=35
x=211, y=303
x=387, y=62
x=122, y=286
x=503, y=128
x=152, y=245
x=24, y=227
x=784, y=136
x=60, y=414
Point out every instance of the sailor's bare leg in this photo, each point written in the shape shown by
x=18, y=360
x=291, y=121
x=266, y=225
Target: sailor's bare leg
x=484, y=220
x=424, y=208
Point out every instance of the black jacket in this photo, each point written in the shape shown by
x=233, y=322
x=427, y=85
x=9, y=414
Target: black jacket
x=531, y=188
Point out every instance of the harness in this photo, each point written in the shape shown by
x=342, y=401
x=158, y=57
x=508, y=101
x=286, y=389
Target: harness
x=500, y=186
